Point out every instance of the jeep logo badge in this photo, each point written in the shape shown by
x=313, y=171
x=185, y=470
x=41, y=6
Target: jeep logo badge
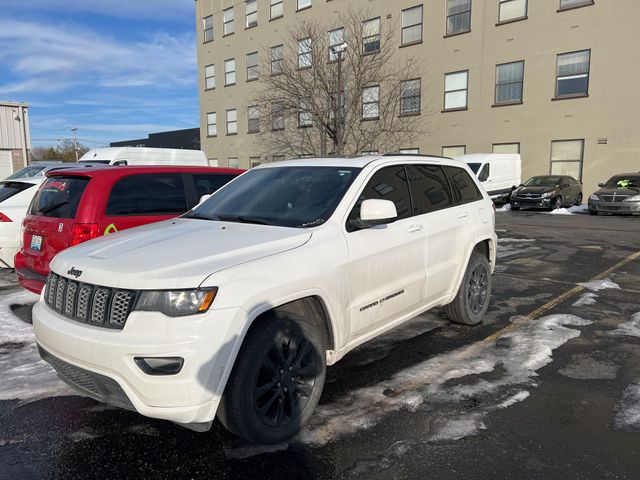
x=74, y=273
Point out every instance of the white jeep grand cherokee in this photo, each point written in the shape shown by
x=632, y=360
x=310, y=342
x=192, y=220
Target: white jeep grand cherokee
x=237, y=307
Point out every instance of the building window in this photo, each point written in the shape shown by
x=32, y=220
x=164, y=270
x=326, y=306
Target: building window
x=277, y=59
x=458, y=16
x=212, y=128
x=411, y=25
x=209, y=77
x=454, y=150
x=371, y=35
x=369, y=152
x=276, y=10
x=233, y=162
x=254, y=161
x=232, y=121
x=252, y=66
x=509, y=81
x=410, y=97
x=302, y=4
x=572, y=74
x=304, y=115
x=512, y=10
x=505, y=148
x=371, y=102
x=277, y=116
x=409, y=151
x=253, y=115
x=305, y=57
x=336, y=37
x=207, y=28
x=228, y=24
x=567, y=4
x=566, y=158
x=456, y=85
x=230, y=72
x=250, y=13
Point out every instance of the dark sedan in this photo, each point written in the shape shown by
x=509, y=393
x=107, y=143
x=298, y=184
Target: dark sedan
x=548, y=192
x=620, y=194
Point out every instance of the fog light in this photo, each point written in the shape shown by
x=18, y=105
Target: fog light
x=160, y=365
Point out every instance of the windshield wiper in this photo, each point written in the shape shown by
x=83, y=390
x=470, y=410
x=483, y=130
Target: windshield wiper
x=240, y=219
x=53, y=207
x=197, y=216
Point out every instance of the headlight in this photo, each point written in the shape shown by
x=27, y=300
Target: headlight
x=176, y=303
x=548, y=194
x=635, y=198
x=595, y=197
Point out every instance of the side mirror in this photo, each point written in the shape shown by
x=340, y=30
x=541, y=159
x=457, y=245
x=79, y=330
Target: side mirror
x=375, y=212
x=204, y=198
x=601, y=185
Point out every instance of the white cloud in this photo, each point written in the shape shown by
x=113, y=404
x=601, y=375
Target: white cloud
x=44, y=58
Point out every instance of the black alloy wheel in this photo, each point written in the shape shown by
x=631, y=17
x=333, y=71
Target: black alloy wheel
x=478, y=289
x=579, y=199
x=472, y=300
x=556, y=203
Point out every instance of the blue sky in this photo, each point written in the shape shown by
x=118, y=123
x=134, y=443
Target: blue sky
x=115, y=69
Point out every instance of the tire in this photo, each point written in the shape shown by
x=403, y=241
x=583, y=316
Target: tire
x=515, y=209
x=579, y=199
x=472, y=300
x=265, y=402
x=556, y=203
x=593, y=212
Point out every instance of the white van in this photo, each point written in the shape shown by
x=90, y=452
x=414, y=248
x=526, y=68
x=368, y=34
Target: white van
x=145, y=156
x=499, y=173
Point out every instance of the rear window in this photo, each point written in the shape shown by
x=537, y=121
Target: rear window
x=9, y=189
x=59, y=197
x=463, y=187
x=148, y=194
x=207, y=183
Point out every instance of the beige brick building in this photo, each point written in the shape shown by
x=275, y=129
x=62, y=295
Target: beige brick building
x=553, y=79
x=15, y=141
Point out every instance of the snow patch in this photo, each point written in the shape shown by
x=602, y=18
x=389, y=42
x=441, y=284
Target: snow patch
x=628, y=329
x=448, y=379
x=627, y=416
x=515, y=240
x=518, y=397
x=23, y=374
x=588, y=298
x=597, y=285
x=505, y=208
x=457, y=428
x=576, y=209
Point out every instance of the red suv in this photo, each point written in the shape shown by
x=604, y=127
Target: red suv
x=76, y=205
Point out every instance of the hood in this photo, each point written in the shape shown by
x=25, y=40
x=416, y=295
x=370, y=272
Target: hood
x=173, y=254
x=631, y=191
x=535, y=189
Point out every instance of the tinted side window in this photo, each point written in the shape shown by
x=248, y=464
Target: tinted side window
x=207, y=183
x=58, y=197
x=148, y=194
x=389, y=183
x=484, y=173
x=463, y=187
x=429, y=188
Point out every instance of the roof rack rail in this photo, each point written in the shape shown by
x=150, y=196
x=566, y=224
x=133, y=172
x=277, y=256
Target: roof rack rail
x=393, y=154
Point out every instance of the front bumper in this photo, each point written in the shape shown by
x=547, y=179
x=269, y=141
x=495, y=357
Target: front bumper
x=524, y=202
x=106, y=357
x=622, y=208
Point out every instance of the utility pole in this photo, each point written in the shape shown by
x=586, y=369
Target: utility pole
x=75, y=140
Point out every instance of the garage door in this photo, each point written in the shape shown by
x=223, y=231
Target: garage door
x=5, y=164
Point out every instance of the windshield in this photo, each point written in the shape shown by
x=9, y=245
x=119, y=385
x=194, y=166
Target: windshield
x=474, y=167
x=9, y=189
x=59, y=197
x=623, y=181
x=102, y=162
x=282, y=196
x=546, y=181
x=27, y=172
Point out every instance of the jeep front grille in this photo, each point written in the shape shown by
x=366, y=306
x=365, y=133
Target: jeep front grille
x=93, y=304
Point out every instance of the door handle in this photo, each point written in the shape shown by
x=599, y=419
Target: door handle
x=463, y=214
x=414, y=228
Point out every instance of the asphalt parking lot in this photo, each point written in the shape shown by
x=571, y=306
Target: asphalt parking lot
x=548, y=386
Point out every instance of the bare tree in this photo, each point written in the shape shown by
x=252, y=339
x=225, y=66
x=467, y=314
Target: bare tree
x=296, y=100
x=64, y=151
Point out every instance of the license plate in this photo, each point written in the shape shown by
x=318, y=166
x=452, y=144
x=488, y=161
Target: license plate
x=36, y=242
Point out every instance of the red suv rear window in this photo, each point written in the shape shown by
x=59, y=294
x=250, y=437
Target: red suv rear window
x=59, y=197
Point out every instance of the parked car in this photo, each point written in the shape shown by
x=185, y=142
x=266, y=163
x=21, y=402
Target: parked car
x=15, y=196
x=620, y=194
x=236, y=307
x=34, y=169
x=499, y=173
x=547, y=191
x=73, y=206
x=145, y=156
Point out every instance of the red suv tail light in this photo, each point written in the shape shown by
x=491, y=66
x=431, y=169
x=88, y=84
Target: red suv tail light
x=4, y=218
x=81, y=232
